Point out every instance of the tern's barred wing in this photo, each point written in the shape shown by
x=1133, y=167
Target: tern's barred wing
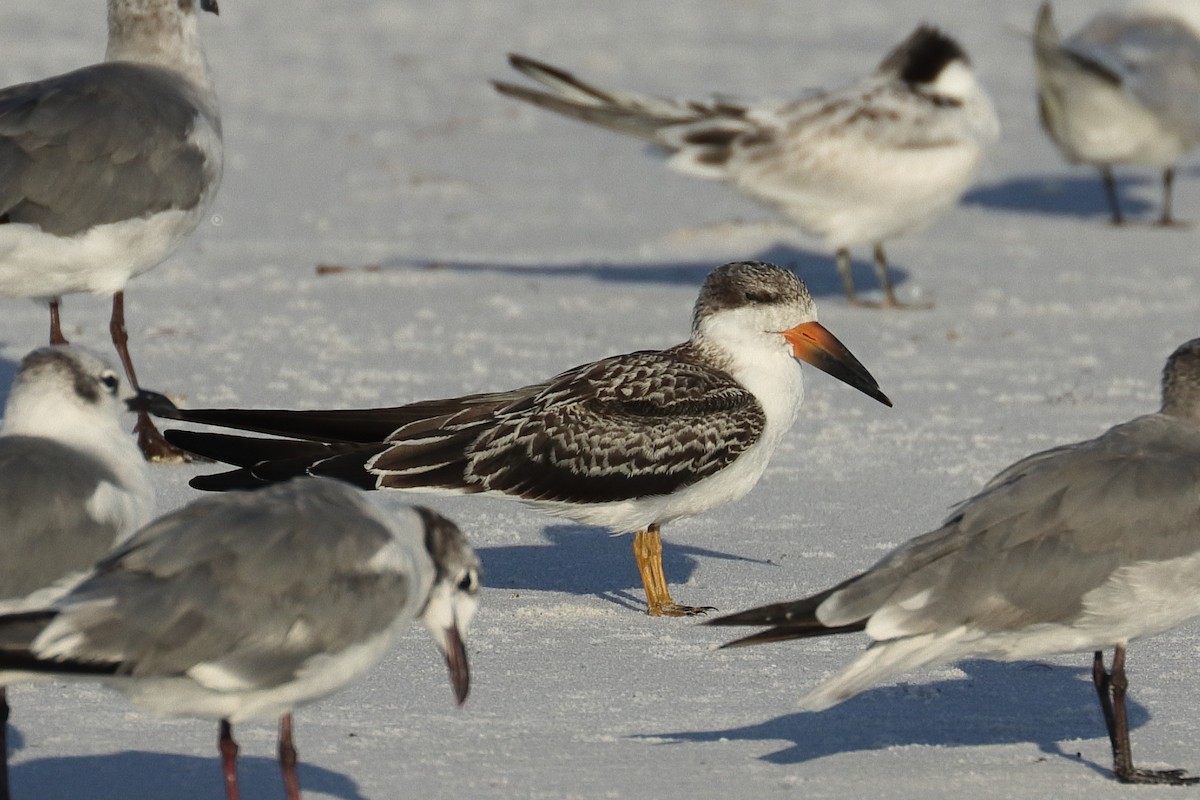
x=631, y=113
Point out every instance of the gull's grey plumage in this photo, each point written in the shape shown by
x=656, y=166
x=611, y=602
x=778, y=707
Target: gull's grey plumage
x=1077, y=548
x=1123, y=90
x=248, y=604
x=105, y=170
x=72, y=482
x=630, y=442
x=858, y=165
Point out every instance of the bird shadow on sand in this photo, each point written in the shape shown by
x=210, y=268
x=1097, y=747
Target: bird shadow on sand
x=8, y=372
x=1065, y=196
x=583, y=560
x=816, y=268
x=996, y=703
x=136, y=773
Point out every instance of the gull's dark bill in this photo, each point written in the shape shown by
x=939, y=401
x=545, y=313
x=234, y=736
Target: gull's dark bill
x=456, y=662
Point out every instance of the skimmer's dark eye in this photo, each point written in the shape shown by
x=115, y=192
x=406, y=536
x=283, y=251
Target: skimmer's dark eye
x=110, y=381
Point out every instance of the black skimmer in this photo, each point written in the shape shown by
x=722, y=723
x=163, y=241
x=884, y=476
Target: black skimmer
x=629, y=442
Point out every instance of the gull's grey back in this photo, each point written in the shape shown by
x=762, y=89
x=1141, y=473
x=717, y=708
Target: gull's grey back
x=48, y=532
x=1158, y=59
x=102, y=144
x=229, y=578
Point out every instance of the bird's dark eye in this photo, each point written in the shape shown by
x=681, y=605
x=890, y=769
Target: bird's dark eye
x=467, y=582
x=756, y=297
x=110, y=382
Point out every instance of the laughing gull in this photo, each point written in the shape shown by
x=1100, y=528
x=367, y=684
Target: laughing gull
x=1078, y=548
x=630, y=442
x=104, y=170
x=858, y=165
x=249, y=604
x=72, y=482
x=1124, y=90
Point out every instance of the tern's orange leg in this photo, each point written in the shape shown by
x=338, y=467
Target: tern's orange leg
x=647, y=550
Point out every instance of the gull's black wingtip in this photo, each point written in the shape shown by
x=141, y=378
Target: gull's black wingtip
x=762, y=637
x=791, y=619
x=751, y=616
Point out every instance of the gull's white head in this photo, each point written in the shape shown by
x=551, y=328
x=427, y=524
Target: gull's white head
x=454, y=596
x=163, y=33
x=64, y=390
